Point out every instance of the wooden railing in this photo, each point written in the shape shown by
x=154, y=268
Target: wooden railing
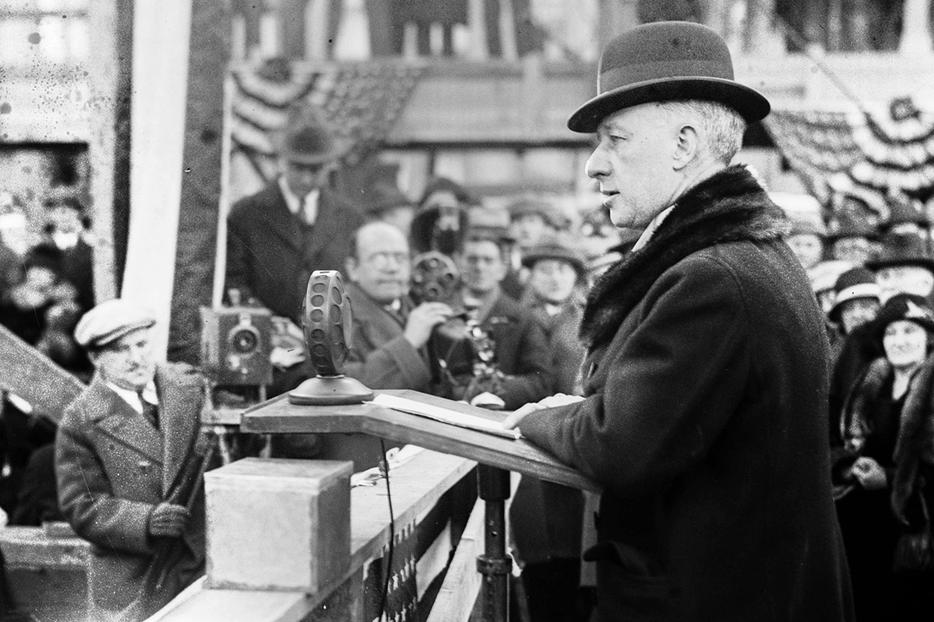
x=416, y=487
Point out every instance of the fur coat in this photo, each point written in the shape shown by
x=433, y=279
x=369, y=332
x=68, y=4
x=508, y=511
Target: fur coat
x=915, y=437
x=705, y=419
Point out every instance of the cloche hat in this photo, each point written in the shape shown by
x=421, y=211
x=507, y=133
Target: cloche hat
x=665, y=61
x=853, y=284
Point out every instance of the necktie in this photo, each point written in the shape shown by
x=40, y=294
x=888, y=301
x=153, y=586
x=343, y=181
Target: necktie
x=150, y=411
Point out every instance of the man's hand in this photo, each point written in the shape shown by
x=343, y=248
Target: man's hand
x=869, y=474
x=168, y=520
x=558, y=399
x=423, y=319
x=284, y=358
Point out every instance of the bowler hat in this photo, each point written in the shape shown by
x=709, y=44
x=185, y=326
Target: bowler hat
x=853, y=284
x=902, y=249
x=555, y=247
x=109, y=321
x=309, y=142
x=666, y=61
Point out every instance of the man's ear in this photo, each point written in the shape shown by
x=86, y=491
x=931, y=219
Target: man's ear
x=686, y=146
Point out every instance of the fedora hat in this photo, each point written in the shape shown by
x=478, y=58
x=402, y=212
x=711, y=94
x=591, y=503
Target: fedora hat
x=902, y=249
x=664, y=61
x=310, y=143
x=556, y=247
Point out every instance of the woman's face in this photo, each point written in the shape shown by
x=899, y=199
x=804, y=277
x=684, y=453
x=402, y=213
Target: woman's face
x=905, y=344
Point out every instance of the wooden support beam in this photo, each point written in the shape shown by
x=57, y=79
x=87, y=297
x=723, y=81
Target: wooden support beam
x=35, y=377
x=200, y=190
x=461, y=584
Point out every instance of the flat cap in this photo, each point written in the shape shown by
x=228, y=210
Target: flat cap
x=109, y=321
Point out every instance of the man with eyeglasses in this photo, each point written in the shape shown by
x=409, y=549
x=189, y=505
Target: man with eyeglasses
x=388, y=339
x=294, y=226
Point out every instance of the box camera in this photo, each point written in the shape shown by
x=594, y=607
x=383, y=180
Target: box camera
x=235, y=345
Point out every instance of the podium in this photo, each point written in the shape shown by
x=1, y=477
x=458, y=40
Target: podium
x=496, y=455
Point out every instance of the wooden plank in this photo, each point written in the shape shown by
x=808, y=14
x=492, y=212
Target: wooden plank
x=461, y=584
x=35, y=377
x=32, y=547
x=279, y=416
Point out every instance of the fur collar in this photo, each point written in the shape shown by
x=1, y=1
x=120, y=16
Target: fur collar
x=916, y=426
x=729, y=206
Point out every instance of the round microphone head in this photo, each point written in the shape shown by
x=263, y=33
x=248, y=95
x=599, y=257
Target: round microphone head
x=326, y=320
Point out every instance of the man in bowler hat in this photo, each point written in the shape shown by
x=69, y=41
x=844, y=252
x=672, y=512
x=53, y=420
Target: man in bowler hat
x=125, y=446
x=295, y=225
x=704, y=413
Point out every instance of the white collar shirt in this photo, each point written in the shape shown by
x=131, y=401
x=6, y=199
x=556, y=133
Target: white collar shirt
x=652, y=228
x=132, y=397
x=306, y=208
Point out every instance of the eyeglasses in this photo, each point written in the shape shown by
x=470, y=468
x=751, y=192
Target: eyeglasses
x=383, y=259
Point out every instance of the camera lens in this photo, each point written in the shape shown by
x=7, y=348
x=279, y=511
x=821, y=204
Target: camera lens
x=244, y=341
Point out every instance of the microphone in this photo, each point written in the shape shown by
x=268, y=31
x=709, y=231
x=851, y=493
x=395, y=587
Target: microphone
x=327, y=326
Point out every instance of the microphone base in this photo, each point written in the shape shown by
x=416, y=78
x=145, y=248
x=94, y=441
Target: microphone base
x=330, y=390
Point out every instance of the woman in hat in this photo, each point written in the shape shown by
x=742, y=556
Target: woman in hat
x=882, y=468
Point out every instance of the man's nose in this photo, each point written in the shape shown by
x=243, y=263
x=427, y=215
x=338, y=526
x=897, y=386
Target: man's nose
x=597, y=165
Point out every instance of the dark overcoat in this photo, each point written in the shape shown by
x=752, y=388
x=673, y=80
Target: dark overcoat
x=271, y=253
x=522, y=352
x=380, y=355
x=113, y=467
x=706, y=422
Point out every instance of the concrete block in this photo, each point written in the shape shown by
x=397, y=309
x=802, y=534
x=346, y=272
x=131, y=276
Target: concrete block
x=275, y=524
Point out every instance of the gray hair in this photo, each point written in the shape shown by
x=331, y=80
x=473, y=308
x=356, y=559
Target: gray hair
x=723, y=126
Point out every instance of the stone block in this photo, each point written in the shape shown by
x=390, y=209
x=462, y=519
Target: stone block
x=275, y=524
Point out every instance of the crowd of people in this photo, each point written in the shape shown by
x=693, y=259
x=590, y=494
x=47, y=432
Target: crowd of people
x=46, y=284
x=874, y=279
x=668, y=346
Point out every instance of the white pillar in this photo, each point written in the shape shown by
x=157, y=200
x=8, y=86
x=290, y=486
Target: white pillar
x=916, y=34
x=160, y=79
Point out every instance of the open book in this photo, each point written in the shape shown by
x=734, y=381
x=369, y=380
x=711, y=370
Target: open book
x=462, y=415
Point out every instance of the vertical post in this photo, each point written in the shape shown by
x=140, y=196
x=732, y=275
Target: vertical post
x=204, y=152
x=109, y=69
x=916, y=33
x=494, y=564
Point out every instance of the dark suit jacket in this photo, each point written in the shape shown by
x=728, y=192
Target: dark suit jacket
x=271, y=253
x=113, y=467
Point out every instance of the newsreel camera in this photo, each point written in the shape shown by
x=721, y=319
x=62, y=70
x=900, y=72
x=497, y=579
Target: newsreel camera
x=462, y=351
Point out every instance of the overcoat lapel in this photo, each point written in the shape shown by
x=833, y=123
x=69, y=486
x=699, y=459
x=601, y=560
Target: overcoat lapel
x=178, y=420
x=124, y=425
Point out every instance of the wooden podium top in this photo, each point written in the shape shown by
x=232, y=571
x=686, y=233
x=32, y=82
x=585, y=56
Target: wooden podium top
x=278, y=416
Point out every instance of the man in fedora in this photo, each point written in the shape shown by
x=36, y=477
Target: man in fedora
x=704, y=413
x=127, y=450
x=295, y=225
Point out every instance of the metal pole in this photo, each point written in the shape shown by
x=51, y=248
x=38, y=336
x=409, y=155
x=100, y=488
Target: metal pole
x=494, y=564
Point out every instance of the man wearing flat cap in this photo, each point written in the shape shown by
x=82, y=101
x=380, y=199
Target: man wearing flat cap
x=704, y=413
x=295, y=225
x=123, y=446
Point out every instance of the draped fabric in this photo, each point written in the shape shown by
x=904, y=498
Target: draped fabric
x=361, y=101
x=871, y=153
